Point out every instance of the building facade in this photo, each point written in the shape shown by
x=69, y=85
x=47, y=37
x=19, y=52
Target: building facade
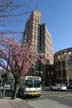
x=63, y=66
x=39, y=36
x=49, y=76
x=31, y=32
x=45, y=43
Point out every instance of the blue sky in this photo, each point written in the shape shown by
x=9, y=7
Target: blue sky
x=57, y=15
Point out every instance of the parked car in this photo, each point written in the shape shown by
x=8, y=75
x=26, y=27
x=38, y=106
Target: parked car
x=7, y=86
x=69, y=88
x=59, y=87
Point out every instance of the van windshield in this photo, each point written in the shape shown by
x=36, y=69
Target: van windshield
x=37, y=83
x=32, y=83
x=29, y=83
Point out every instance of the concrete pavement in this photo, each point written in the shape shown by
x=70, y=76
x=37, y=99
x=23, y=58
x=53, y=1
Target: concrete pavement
x=18, y=103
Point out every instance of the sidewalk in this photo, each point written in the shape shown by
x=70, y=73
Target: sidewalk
x=18, y=103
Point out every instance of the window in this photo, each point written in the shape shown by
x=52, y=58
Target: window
x=64, y=73
x=29, y=83
x=34, y=37
x=65, y=54
x=63, y=63
x=69, y=53
x=34, y=27
x=59, y=64
x=69, y=62
x=37, y=20
x=59, y=73
x=59, y=57
x=37, y=83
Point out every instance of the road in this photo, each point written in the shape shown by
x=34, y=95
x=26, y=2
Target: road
x=48, y=99
x=64, y=98
x=60, y=97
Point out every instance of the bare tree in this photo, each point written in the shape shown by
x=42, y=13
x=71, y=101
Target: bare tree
x=12, y=13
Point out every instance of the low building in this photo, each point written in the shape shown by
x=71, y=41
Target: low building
x=63, y=66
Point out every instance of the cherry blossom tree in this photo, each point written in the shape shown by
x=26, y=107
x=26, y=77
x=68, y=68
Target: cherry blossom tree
x=16, y=58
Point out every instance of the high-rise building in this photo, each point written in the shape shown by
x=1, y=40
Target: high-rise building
x=39, y=36
x=45, y=43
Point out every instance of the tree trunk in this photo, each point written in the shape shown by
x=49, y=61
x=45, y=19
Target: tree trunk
x=3, y=93
x=15, y=90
